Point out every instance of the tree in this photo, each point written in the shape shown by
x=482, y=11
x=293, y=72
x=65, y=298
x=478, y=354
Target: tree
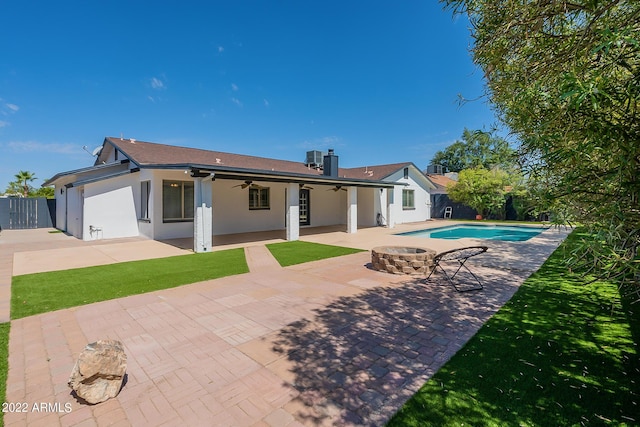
x=563, y=77
x=481, y=189
x=13, y=188
x=23, y=178
x=477, y=148
x=47, y=192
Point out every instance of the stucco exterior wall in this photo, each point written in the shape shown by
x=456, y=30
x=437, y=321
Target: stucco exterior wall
x=422, y=200
x=165, y=230
x=111, y=206
x=60, y=193
x=328, y=207
x=231, y=213
x=367, y=210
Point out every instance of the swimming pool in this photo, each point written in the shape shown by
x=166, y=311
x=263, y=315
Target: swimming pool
x=491, y=232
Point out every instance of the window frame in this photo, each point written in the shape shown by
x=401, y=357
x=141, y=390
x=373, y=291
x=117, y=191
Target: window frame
x=184, y=206
x=405, y=199
x=260, y=202
x=145, y=198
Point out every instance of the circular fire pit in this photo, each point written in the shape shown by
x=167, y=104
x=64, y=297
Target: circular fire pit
x=402, y=260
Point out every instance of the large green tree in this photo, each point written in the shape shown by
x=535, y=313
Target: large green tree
x=475, y=148
x=481, y=189
x=564, y=76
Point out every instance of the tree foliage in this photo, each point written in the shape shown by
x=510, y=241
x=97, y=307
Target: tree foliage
x=476, y=148
x=23, y=178
x=564, y=76
x=22, y=186
x=481, y=189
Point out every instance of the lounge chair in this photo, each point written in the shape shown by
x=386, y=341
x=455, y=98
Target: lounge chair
x=459, y=256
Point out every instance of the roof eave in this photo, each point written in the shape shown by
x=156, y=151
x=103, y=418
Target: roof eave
x=51, y=181
x=272, y=175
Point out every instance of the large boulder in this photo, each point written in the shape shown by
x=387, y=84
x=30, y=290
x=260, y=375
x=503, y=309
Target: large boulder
x=99, y=372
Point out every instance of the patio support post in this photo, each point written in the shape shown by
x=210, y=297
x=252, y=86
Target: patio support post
x=202, y=215
x=352, y=209
x=293, y=211
x=394, y=205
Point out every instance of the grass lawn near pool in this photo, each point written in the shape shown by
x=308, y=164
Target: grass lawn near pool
x=43, y=292
x=558, y=353
x=298, y=252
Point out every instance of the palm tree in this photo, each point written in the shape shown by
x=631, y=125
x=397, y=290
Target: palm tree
x=23, y=178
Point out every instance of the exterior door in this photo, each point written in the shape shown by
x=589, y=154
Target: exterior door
x=305, y=212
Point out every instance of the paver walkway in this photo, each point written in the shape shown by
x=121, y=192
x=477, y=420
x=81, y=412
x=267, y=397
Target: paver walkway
x=323, y=343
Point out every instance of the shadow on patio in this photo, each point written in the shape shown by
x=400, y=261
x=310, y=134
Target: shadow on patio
x=361, y=357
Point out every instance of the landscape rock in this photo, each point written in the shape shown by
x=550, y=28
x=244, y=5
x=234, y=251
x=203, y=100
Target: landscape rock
x=99, y=372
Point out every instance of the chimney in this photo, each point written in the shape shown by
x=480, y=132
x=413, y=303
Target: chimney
x=330, y=164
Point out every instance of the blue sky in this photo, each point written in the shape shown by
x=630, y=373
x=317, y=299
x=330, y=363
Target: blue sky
x=378, y=81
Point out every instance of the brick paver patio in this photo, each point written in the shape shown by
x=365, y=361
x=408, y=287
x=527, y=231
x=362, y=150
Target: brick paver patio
x=324, y=343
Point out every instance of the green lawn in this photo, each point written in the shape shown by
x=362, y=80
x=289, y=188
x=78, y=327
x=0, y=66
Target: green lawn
x=4, y=356
x=42, y=292
x=298, y=252
x=559, y=353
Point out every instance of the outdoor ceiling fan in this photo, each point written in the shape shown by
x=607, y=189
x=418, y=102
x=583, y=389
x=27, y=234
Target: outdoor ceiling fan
x=243, y=186
x=337, y=188
x=305, y=187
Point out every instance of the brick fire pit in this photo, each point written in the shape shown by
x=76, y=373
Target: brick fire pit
x=402, y=260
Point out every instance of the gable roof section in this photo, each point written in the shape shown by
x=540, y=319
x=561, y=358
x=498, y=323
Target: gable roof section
x=152, y=155
x=374, y=172
x=440, y=182
x=385, y=171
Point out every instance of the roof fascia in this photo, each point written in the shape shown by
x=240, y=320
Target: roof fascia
x=108, y=141
x=102, y=178
x=51, y=181
x=226, y=172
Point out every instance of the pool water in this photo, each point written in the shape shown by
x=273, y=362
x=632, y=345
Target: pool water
x=491, y=232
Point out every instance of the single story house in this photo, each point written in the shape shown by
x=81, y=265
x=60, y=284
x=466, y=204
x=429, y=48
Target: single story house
x=138, y=188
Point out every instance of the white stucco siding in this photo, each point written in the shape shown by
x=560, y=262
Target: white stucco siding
x=367, y=210
x=231, y=211
x=328, y=207
x=74, y=197
x=110, y=205
x=165, y=230
x=61, y=207
x=422, y=200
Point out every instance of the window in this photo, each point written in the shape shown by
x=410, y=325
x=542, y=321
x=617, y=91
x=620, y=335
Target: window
x=258, y=198
x=177, y=201
x=405, y=172
x=408, y=199
x=145, y=191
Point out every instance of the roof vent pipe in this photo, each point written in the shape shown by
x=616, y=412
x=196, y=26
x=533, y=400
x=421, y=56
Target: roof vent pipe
x=330, y=164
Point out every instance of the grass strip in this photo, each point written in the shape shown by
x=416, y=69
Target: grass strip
x=4, y=364
x=43, y=292
x=558, y=353
x=298, y=252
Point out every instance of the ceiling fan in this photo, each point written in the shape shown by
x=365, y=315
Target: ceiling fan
x=243, y=186
x=305, y=187
x=337, y=188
